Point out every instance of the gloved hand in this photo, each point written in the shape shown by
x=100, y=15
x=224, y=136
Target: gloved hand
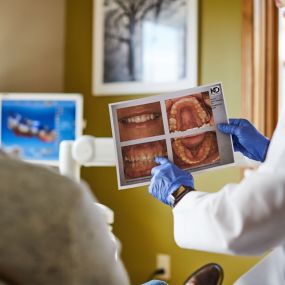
x=246, y=138
x=155, y=282
x=167, y=178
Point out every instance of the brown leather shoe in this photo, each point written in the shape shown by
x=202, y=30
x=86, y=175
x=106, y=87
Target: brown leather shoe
x=209, y=274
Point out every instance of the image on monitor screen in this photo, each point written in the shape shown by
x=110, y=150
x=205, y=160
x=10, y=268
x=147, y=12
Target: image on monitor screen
x=34, y=128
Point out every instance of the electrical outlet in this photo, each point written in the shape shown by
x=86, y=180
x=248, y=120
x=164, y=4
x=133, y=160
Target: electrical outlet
x=163, y=262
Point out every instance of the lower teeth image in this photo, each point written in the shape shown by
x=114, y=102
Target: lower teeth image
x=195, y=151
x=139, y=159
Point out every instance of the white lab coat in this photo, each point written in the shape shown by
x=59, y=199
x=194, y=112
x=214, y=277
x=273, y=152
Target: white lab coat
x=245, y=219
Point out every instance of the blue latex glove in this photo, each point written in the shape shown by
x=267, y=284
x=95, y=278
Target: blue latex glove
x=167, y=178
x=246, y=138
x=155, y=282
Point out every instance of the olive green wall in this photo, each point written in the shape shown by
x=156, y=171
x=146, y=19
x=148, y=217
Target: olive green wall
x=144, y=225
x=32, y=45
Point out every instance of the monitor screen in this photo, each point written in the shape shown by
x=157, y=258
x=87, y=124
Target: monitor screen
x=33, y=126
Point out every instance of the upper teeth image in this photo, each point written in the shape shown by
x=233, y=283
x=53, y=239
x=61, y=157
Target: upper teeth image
x=141, y=118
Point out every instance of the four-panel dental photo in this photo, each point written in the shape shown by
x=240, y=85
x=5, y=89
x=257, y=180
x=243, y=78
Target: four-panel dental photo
x=191, y=113
x=180, y=126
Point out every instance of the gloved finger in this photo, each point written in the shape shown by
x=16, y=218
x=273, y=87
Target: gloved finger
x=235, y=122
x=155, y=170
x=229, y=129
x=162, y=169
x=161, y=160
x=240, y=122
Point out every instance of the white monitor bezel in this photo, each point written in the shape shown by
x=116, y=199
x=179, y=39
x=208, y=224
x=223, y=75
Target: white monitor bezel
x=38, y=96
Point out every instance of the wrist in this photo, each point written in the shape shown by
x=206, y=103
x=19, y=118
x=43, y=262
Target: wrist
x=178, y=194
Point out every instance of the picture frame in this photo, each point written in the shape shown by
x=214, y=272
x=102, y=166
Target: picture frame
x=158, y=53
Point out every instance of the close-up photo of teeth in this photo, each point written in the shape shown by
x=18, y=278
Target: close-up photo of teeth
x=140, y=121
x=189, y=112
x=195, y=151
x=138, y=160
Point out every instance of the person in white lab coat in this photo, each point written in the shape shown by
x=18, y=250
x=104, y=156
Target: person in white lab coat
x=247, y=218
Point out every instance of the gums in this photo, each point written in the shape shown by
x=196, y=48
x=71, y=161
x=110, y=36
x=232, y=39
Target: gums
x=196, y=150
x=139, y=159
x=188, y=112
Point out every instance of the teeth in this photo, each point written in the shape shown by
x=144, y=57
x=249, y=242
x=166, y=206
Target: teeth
x=140, y=119
x=23, y=128
x=144, y=158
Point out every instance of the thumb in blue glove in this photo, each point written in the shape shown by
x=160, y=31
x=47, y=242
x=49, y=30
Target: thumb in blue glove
x=246, y=138
x=167, y=178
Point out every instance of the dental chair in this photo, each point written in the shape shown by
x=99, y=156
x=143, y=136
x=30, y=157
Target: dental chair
x=209, y=274
x=2, y=282
x=51, y=232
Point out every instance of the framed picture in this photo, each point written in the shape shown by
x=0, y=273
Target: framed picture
x=144, y=46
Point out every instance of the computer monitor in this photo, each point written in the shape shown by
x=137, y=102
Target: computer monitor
x=34, y=124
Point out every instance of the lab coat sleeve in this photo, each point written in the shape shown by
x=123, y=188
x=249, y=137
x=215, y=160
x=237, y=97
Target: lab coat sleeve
x=246, y=218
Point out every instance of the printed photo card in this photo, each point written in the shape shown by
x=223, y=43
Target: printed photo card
x=181, y=126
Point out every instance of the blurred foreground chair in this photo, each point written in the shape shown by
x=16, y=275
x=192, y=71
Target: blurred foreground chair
x=209, y=274
x=51, y=232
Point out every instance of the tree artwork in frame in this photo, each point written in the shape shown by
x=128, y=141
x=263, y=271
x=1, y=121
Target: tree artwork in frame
x=144, y=46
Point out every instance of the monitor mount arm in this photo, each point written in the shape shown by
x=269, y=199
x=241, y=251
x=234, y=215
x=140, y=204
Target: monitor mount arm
x=87, y=151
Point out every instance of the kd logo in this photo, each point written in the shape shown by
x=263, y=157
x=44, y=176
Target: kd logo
x=215, y=90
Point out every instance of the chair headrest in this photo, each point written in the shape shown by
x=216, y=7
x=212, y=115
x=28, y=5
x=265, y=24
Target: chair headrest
x=4, y=283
